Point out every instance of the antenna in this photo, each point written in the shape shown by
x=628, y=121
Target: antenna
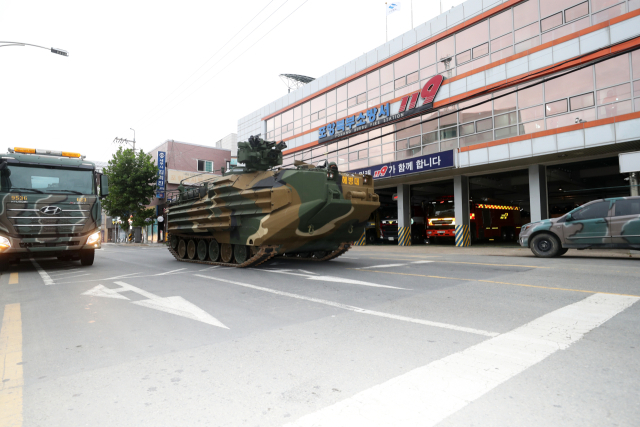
x=294, y=81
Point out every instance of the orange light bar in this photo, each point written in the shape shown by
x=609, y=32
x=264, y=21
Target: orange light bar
x=25, y=150
x=69, y=154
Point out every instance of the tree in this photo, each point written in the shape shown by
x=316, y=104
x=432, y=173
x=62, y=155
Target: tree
x=132, y=185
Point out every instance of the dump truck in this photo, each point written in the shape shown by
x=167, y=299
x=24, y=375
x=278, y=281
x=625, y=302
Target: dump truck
x=50, y=206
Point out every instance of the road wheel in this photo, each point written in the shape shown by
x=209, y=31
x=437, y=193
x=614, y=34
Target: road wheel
x=214, y=251
x=304, y=255
x=226, y=252
x=319, y=254
x=202, y=250
x=371, y=237
x=241, y=253
x=182, y=248
x=174, y=242
x=86, y=256
x=562, y=251
x=191, y=249
x=4, y=263
x=545, y=245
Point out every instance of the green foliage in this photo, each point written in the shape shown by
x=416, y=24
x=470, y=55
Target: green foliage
x=132, y=184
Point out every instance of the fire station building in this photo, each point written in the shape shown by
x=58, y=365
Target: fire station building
x=506, y=105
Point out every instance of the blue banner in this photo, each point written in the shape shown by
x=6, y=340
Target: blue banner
x=441, y=160
x=161, y=174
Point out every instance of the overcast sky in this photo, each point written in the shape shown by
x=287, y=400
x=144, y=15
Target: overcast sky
x=127, y=58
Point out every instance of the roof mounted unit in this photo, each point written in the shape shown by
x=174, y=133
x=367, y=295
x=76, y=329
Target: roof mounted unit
x=294, y=81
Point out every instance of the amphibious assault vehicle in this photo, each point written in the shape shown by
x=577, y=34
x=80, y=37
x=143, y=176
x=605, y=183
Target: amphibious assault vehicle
x=258, y=211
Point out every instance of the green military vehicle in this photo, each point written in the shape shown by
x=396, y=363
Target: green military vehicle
x=600, y=224
x=255, y=212
x=50, y=206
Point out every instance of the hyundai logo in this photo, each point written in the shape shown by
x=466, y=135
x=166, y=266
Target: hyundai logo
x=51, y=210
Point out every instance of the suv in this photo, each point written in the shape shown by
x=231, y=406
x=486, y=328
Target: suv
x=599, y=224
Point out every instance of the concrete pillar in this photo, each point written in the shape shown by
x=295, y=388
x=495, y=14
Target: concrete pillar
x=538, y=192
x=404, y=215
x=461, y=204
x=633, y=182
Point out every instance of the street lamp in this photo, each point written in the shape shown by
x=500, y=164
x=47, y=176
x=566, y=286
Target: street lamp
x=52, y=49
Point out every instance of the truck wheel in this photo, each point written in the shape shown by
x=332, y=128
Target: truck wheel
x=202, y=250
x=545, y=245
x=214, y=251
x=4, y=263
x=182, y=248
x=86, y=256
x=371, y=237
x=562, y=251
x=191, y=249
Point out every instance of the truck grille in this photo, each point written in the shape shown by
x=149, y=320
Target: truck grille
x=29, y=221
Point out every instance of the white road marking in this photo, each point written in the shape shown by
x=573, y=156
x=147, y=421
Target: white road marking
x=45, y=277
x=169, y=272
x=427, y=395
x=210, y=268
x=307, y=272
x=383, y=266
x=356, y=309
x=347, y=257
x=63, y=271
x=421, y=262
x=174, y=305
x=122, y=276
x=331, y=279
x=69, y=275
x=74, y=276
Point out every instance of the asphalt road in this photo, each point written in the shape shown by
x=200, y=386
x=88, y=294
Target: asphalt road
x=383, y=336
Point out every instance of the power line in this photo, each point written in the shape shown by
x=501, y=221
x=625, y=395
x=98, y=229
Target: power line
x=205, y=62
x=224, y=56
x=235, y=59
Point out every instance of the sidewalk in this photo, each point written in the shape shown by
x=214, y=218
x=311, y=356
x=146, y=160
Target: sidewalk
x=131, y=245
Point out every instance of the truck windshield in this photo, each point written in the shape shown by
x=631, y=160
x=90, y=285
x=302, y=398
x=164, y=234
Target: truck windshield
x=46, y=180
x=440, y=210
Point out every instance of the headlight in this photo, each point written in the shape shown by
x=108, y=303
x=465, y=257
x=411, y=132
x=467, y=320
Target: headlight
x=4, y=244
x=93, y=238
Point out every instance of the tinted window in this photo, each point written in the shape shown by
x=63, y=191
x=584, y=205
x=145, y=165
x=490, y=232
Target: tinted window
x=628, y=207
x=593, y=211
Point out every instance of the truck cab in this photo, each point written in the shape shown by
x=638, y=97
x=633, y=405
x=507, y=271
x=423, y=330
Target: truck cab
x=49, y=206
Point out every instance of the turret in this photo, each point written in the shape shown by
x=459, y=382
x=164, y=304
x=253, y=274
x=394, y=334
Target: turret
x=258, y=154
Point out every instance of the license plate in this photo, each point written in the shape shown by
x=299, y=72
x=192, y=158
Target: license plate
x=440, y=232
x=390, y=238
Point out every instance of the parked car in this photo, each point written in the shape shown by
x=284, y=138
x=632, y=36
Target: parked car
x=599, y=224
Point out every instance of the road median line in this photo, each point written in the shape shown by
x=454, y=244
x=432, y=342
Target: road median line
x=11, y=375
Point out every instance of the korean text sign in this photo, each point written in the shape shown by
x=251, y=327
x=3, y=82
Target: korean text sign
x=160, y=184
x=444, y=159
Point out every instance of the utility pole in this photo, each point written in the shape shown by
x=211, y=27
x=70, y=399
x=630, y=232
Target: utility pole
x=126, y=141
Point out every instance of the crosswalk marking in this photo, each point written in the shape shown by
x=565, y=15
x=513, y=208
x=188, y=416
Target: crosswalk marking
x=427, y=395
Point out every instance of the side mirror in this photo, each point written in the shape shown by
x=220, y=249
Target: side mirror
x=569, y=218
x=104, y=185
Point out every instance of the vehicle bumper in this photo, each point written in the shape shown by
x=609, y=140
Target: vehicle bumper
x=523, y=241
x=27, y=247
x=441, y=233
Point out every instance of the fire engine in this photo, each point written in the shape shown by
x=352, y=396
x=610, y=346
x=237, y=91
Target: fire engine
x=488, y=220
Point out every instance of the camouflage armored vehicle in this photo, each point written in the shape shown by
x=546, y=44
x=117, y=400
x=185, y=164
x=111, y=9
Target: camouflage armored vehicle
x=599, y=224
x=255, y=212
x=49, y=206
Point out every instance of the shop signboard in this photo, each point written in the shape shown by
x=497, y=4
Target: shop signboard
x=441, y=160
x=160, y=184
x=410, y=105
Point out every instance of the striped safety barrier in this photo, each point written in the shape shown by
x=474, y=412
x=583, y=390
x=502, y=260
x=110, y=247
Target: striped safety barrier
x=362, y=241
x=462, y=235
x=404, y=236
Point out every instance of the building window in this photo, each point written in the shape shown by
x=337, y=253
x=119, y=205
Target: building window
x=205, y=166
